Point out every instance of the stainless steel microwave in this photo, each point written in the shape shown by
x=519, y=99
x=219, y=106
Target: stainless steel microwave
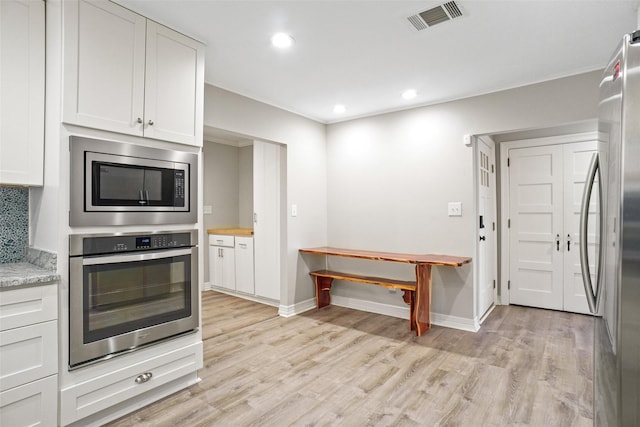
x=114, y=183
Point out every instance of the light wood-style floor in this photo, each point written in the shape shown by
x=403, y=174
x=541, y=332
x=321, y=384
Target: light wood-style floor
x=336, y=366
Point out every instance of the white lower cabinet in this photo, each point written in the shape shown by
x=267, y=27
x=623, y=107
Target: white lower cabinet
x=31, y=404
x=29, y=356
x=222, y=264
x=245, y=281
x=99, y=388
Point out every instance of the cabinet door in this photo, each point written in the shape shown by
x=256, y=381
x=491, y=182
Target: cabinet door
x=174, y=86
x=22, y=71
x=244, y=265
x=32, y=404
x=267, y=220
x=104, y=55
x=222, y=267
x=28, y=353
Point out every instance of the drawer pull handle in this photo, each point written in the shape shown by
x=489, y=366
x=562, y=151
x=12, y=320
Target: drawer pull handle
x=143, y=378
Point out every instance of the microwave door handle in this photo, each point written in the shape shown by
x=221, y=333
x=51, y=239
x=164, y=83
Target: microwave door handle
x=140, y=197
x=146, y=195
x=112, y=259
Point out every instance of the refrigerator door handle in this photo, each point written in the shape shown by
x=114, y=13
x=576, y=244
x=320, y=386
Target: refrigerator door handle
x=592, y=297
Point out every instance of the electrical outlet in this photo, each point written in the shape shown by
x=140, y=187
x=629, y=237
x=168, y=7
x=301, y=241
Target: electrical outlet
x=454, y=208
x=208, y=210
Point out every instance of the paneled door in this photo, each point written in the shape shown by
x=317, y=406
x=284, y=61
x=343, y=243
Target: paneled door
x=486, y=225
x=576, y=163
x=545, y=188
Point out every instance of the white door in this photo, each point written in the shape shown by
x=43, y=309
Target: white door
x=486, y=225
x=267, y=214
x=576, y=163
x=535, y=214
x=545, y=187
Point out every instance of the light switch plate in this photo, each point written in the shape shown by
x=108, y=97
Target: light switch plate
x=454, y=208
x=208, y=209
x=294, y=210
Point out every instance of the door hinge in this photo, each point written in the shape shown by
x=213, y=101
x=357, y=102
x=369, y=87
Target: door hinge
x=508, y=161
x=491, y=168
x=509, y=223
x=494, y=283
x=493, y=225
x=509, y=284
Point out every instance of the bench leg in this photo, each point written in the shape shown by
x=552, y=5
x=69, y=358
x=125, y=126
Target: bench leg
x=323, y=288
x=410, y=298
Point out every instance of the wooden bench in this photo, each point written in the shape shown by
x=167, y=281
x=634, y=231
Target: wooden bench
x=324, y=279
x=417, y=294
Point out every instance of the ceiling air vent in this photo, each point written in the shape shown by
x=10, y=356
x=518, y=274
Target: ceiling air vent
x=442, y=13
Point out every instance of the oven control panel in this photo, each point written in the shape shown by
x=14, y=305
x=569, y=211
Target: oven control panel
x=136, y=243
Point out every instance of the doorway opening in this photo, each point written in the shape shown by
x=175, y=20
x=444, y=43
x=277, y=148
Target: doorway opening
x=244, y=186
x=500, y=265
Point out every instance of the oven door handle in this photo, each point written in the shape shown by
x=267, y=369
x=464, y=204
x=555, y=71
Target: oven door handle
x=112, y=259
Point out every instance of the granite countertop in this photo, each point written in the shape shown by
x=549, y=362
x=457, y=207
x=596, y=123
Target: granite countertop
x=39, y=268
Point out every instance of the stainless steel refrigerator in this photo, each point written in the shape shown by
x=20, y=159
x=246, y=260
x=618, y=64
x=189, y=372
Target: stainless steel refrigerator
x=612, y=284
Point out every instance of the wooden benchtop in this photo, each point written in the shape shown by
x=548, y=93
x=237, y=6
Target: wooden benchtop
x=231, y=231
x=431, y=259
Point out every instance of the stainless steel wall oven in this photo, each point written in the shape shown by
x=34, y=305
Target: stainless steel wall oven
x=123, y=184
x=127, y=290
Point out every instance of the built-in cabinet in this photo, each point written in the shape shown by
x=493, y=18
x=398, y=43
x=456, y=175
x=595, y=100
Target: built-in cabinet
x=127, y=74
x=29, y=356
x=222, y=264
x=231, y=263
x=22, y=74
x=244, y=265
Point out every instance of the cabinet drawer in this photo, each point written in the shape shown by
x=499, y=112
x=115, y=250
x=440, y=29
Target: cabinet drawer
x=221, y=240
x=26, y=306
x=28, y=353
x=33, y=404
x=103, y=391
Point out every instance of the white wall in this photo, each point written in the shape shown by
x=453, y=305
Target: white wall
x=221, y=184
x=306, y=174
x=390, y=177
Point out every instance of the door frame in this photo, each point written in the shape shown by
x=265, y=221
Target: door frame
x=503, y=177
x=476, y=249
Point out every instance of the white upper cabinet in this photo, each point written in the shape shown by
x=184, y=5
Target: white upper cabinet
x=22, y=71
x=126, y=74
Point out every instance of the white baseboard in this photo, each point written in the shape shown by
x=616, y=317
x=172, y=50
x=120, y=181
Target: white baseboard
x=446, y=320
x=301, y=307
x=371, y=306
x=262, y=300
x=455, y=322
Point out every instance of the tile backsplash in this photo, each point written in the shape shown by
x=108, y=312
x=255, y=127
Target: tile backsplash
x=14, y=224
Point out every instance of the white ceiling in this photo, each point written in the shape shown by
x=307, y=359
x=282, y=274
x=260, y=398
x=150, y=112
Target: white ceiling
x=364, y=54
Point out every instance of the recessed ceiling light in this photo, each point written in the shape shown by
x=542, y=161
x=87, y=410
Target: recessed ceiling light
x=339, y=109
x=409, y=94
x=282, y=40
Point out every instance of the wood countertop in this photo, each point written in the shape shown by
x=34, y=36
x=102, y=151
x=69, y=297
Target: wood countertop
x=431, y=259
x=231, y=231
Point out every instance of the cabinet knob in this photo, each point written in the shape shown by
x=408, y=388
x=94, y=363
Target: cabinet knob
x=139, y=120
x=150, y=122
